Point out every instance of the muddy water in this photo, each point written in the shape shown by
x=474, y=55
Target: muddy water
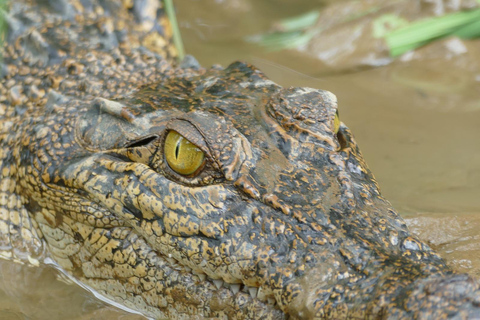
x=417, y=124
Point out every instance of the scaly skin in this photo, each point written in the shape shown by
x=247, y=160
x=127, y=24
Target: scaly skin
x=285, y=221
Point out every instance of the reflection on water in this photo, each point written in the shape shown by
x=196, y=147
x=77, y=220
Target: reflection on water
x=417, y=125
x=42, y=293
x=455, y=236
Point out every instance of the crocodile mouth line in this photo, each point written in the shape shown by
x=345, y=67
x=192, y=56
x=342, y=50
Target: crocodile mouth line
x=260, y=293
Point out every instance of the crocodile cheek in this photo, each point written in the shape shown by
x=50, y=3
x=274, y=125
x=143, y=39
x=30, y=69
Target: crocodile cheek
x=178, y=221
x=197, y=235
x=213, y=246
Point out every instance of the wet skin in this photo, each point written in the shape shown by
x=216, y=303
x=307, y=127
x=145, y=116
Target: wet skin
x=282, y=219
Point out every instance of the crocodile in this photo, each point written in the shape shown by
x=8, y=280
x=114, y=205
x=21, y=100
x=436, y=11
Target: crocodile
x=185, y=192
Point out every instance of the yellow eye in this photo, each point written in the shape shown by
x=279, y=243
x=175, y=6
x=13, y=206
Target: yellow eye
x=336, y=123
x=182, y=156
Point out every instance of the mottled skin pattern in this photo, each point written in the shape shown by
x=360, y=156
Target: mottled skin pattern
x=285, y=221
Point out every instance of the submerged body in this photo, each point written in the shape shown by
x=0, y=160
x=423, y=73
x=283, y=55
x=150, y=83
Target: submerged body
x=280, y=219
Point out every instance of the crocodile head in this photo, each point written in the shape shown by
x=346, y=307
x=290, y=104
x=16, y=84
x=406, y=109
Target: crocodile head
x=279, y=216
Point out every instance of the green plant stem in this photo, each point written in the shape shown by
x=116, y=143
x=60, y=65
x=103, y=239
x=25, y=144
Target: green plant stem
x=177, y=38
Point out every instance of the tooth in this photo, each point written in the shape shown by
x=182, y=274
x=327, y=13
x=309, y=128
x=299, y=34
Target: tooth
x=218, y=283
x=202, y=276
x=253, y=292
x=235, y=288
x=261, y=295
x=272, y=301
x=189, y=270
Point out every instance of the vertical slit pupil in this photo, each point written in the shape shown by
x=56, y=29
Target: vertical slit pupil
x=177, y=149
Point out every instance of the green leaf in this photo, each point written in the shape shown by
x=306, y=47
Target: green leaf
x=283, y=40
x=419, y=33
x=469, y=31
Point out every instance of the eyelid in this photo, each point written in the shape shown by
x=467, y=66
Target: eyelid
x=190, y=132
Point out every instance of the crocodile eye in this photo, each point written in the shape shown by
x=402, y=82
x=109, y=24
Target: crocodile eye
x=336, y=123
x=182, y=156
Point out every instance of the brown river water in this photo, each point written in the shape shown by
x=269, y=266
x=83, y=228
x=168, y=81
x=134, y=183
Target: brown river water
x=418, y=125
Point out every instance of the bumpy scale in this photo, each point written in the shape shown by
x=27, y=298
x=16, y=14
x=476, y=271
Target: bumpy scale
x=279, y=219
